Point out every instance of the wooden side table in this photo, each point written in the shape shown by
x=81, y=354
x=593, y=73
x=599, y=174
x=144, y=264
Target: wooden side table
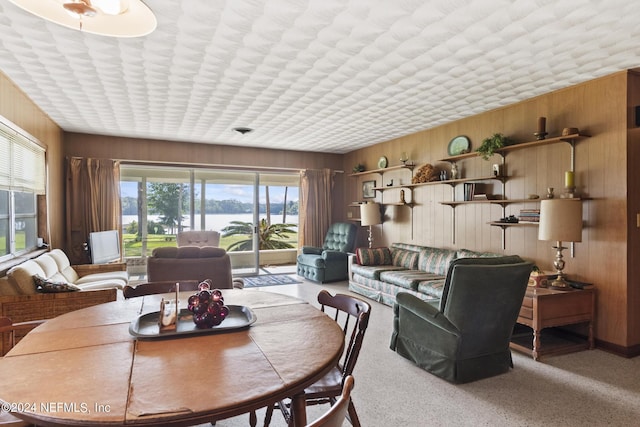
x=547, y=308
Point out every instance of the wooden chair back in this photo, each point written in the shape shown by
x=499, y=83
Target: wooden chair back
x=7, y=326
x=151, y=288
x=335, y=416
x=353, y=315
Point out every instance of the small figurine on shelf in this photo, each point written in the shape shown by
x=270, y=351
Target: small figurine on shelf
x=402, y=200
x=390, y=184
x=454, y=170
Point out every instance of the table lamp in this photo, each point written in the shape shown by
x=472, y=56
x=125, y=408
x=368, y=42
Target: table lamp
x=370, y=215
x=560, y=221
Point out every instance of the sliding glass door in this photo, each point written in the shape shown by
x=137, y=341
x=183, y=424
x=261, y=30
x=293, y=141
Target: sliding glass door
x=155, y=203
x=256, y=212
x=227, y=201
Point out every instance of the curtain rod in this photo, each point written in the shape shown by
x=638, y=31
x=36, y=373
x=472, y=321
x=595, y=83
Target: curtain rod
x=213, y=165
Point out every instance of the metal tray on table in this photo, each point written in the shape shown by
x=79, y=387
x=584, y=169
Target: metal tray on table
x=146, y=326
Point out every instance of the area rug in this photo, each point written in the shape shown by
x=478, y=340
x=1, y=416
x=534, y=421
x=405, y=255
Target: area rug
x=269, y=280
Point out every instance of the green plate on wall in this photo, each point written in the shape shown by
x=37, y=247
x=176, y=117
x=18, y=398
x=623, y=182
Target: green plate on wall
x=459, y=145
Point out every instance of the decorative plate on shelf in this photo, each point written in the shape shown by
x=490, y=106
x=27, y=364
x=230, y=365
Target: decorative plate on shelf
x=382, y=162
x=459, y=145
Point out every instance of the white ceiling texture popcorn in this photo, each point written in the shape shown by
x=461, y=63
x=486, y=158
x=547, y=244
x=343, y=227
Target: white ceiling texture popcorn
x=315, y=75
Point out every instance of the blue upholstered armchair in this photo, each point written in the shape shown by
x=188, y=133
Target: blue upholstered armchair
x=330, y=262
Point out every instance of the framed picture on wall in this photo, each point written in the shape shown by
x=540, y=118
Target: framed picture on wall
x=367, y=189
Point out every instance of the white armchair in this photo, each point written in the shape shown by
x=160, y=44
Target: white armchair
x=198, y=238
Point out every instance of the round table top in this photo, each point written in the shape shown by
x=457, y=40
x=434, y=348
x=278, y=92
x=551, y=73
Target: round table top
x=85, y=367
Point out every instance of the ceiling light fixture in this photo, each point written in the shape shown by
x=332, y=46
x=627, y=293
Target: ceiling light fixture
x=115, y=18
x=243, y=130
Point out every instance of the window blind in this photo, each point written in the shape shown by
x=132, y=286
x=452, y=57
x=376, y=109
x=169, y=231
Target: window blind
x=22, y=161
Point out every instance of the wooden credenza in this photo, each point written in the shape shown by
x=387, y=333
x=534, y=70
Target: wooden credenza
x=544, y=308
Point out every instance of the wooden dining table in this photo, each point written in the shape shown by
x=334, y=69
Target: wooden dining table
x=87, y=368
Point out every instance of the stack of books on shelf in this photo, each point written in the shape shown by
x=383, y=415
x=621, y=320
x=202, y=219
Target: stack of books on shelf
x=529, y=215
x=469, y=191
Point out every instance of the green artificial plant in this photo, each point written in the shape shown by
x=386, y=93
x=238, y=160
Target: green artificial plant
x=491, y=144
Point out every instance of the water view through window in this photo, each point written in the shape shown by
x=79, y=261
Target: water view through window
x=158, y=202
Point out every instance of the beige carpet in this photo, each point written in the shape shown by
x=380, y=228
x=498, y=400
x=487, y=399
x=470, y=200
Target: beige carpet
x=588, y=388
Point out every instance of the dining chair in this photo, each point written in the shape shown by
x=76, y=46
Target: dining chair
x=164, y=287
x=335, y=416
x=8, y=327
x=353, y=315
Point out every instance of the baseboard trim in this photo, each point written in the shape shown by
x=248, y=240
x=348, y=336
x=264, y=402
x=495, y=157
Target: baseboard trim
x=618, y=350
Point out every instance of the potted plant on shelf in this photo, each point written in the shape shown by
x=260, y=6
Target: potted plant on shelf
x=491, y=144
x=358, y=168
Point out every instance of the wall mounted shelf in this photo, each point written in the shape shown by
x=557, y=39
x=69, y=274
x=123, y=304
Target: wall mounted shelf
x=519, y=146
x=512, y=224
x=382, y=171
x=570, y=139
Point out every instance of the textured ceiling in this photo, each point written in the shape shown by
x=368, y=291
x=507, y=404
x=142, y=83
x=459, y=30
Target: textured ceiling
x=315, y=75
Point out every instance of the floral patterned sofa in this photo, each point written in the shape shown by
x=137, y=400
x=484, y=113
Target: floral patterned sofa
x=380, y=273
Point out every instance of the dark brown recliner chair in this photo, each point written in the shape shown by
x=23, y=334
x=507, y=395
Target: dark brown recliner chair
x=190, y=263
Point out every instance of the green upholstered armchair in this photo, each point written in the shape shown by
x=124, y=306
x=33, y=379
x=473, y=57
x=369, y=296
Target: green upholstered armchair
x=330, y=262
x=465, y=335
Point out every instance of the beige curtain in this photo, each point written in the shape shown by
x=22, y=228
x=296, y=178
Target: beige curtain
x=315, y=206
x=93, y=202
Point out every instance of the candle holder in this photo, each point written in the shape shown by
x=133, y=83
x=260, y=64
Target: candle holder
x=540, y=135
x=569, y=184
x=569, y=193
x=404, y=158
x=542, y=126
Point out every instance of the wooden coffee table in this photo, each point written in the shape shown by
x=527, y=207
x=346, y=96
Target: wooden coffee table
x=84, y=367
x=547, y=308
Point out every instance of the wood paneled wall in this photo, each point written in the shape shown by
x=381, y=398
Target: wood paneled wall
x=598, y=108
x=633, y=210
x=19, y=109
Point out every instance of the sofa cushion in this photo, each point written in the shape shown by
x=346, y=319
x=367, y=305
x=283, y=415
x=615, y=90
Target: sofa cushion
x=45, y=285
x=118, y=279
x=407, y=246
x=432, y=287
x=466, y=253
x=408, y=279
x=404, y=258
x=22, y=276
x=435, y=260
x=48, y=265
x=372, y=271
x=64, y=266
x=102, y=284
x=373, y=256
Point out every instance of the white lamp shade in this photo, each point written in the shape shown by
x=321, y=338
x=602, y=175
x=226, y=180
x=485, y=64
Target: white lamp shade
x=370, y=214
x=130, y=18
x=560, y=220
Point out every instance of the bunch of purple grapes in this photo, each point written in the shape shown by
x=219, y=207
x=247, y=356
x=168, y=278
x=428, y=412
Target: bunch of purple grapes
x=207, y=306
